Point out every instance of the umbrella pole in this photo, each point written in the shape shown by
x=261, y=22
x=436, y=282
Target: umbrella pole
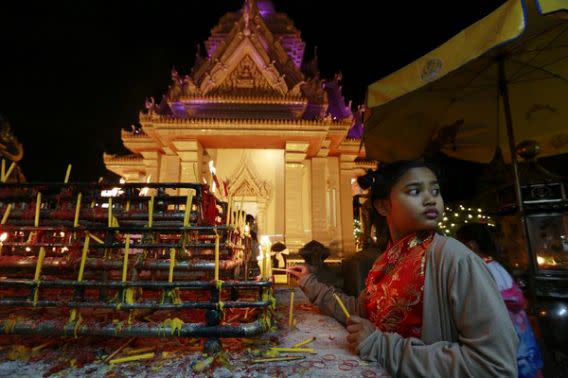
x=504, y=91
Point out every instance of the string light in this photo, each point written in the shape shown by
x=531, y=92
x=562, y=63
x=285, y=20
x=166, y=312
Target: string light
x=455, y=217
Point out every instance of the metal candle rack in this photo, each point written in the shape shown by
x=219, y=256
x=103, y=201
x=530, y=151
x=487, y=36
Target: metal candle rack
x=137, y=263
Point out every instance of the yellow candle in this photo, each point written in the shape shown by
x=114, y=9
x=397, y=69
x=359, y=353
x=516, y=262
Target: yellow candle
x=291, y=316
x=125, y=261
x=274, y=359
x=3, y=170
x=294, y=350
x=95, y=238
x=145, y=356
x=343, y=308
x=229, y=211
x=151, y=211
x=109, y=212
x=305, y=342
x=216, y=256
x=77, y=211
x=83, y=258
x=264, y=270
x=6, y=213
x=12, y=166
x=127, y=206
x=67, y=174
x=172, y=264
x=39, y=264
x=38, y=206
x=188, y=205
x=40, y=258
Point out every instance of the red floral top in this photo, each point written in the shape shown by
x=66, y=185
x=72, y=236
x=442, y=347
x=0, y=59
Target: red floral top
x=395, y=286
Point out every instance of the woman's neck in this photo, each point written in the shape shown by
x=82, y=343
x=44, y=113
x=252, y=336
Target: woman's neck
x=397, y=235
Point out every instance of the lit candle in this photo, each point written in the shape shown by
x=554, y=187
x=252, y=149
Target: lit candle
x=188, y=205
x=6, y=213
x=172, y=264
x=77, y=210
x=216, y=256
x=38, y=206
x=67, y=174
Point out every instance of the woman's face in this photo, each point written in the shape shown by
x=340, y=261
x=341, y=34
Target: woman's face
x=415, y=203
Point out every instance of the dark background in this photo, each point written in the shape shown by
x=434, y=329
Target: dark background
x=73, y=73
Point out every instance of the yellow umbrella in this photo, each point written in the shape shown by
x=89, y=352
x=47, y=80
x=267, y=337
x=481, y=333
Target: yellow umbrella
x=510, y=69
x=502, y=78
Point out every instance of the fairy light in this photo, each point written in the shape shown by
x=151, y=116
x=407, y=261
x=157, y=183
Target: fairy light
x=458, y=215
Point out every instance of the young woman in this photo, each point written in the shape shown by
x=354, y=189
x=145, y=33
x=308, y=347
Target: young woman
x=480, y=240
x=430, y=307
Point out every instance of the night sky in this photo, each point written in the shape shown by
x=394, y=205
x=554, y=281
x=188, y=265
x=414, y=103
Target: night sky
x=73, y=73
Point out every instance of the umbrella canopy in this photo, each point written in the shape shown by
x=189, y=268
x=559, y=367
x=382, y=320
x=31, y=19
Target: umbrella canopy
x=452, y=99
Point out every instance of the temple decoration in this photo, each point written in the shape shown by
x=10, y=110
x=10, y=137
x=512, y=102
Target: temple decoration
x=276, y=131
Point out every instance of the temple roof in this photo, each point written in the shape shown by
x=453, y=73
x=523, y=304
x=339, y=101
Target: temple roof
x=254, y=68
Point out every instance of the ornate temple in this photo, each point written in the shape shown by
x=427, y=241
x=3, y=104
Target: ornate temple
x=284, y=138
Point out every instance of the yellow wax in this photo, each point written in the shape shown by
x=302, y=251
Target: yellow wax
x=12, y=166
x=67, y=174
x=274, y=359
x=125, y=261
x=77, y=211
x=188, y=205
x=305, y=342
x=6, y=213
x=291, y=316
x=151, y=211
x=343, y=308
x=83, y=258
x=96, y=238
x=172, y=264
x=145, y=356
x=40, y=258
x=3, y=170
x=38, y=206
x=294, y=350
x=216, y=256
x=109, y=212
x=229, y=211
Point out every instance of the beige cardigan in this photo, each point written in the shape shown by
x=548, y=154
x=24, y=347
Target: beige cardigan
x=466, y=329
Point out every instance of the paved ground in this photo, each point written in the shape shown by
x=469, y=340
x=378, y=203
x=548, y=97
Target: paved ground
x=182, y=359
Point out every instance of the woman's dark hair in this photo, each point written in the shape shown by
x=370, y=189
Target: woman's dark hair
x=479, y=233
x=380, y=182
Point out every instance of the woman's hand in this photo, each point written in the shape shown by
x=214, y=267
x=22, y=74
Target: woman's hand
x=298, y=271
x=359, y=329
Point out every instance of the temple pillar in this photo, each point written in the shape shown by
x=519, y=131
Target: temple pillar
x=190, y=153
x=169, y=170
x=346, y=174
x=320, y=198
x=334, y=211
x=294, y=156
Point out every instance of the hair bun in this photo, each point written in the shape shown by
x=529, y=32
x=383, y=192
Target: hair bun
x=365, y=181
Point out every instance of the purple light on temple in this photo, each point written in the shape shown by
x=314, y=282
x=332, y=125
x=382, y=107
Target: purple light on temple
x=265, y=8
